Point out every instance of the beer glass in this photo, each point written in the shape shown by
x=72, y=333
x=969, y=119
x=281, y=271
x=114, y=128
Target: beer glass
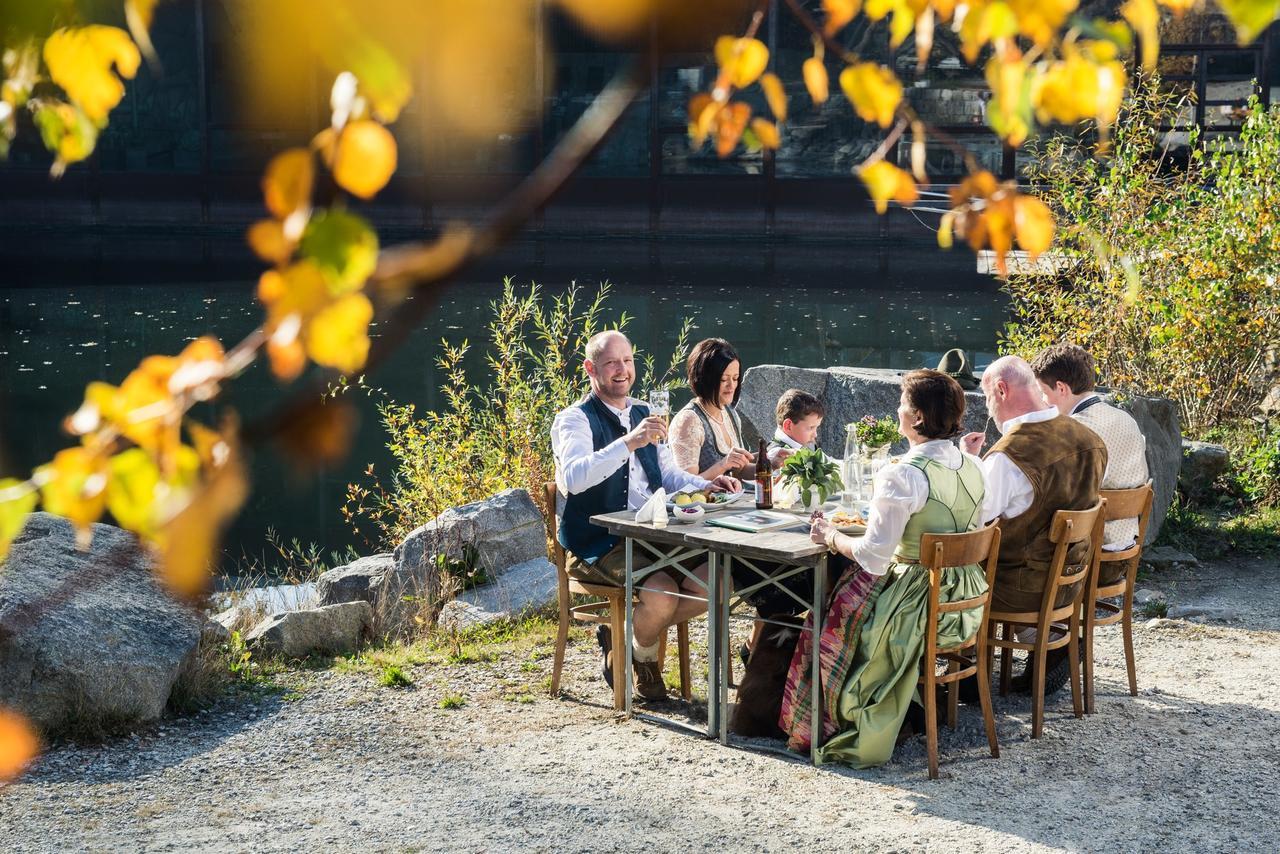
x=660, y=405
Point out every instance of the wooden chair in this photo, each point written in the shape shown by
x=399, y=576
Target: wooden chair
x=1121, y=504
x=938, y=553
x=1068, y=527
x=607, y=606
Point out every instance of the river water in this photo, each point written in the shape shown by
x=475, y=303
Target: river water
x=810, y=306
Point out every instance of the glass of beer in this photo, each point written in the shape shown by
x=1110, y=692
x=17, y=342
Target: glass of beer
x=660, y=405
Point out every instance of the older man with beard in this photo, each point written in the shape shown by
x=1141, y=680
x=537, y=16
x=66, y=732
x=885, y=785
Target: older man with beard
x=611, y=455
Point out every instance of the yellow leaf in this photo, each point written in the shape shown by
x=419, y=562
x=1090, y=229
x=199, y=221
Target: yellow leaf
x=188, y=539
x=267, y=240
x=730, y=122
x=945, y=229
x=610, y=19
x=924, y=38
x=343, y=247
x=1009, y=112
x=979, y=185
x=17, y=500
x=702, y=116
x=67, y=132
x=1144, y=17
x=742, y=60
x=1041, y=20
x=140, y=496
x=767, y=132
x=874, y=91
x=903, y=22
x=80, y=60
x=1250, y=17
x=877, y=9
x=1179, y=7
x=918, y=151
x=839, y=13
x=775, y=94
x=19, y=744
x=75, y=487
x=1032, y=224
x=884, y=181
x=138, y=13
x=287, y=184
x=815, y=79
x=337, y=336
x=365, y=158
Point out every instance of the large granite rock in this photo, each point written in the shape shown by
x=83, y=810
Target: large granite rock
x=1202, y=464
x=522, y=588
x=395, y=595
x=494, y=534
x=330, y=630
x=850, y=393
x=358, y=581
x=89, y=641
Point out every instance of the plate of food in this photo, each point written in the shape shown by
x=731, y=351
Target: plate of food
x=706, y=500
x=848, y=521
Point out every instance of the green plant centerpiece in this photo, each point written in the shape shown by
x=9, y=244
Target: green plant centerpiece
x=875, y=433
x=810, y=472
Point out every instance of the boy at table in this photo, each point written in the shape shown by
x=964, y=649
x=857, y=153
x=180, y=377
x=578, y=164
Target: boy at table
x=611, y=455
x=799, y=415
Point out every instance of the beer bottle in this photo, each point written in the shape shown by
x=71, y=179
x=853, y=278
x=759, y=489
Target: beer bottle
x=764, y=479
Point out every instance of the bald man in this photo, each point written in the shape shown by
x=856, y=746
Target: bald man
x=611, y=455
x=1043, y=463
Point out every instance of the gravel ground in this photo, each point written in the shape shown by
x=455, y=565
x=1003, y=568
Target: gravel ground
x=341, y=763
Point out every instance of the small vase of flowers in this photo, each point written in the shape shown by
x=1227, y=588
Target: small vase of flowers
x=813, y=475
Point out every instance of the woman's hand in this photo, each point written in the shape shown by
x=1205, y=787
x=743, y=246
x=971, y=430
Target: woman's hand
x=724, y=483
x=736, y=459
x=819, y=530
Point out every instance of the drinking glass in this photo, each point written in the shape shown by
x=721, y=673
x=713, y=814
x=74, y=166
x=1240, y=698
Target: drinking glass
x=660, y=404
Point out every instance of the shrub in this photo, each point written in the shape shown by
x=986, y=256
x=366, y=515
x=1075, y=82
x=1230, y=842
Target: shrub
x=495, y=436
x=1168, y=273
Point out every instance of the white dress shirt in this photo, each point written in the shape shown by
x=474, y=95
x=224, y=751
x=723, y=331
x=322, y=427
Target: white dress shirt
x=900, y=490
x=1126, y=461
x=1009, y=493
x=579, y=466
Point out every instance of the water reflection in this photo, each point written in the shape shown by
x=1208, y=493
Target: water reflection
x=807, y=306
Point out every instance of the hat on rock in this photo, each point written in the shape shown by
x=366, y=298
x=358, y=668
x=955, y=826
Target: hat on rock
x=955, y=364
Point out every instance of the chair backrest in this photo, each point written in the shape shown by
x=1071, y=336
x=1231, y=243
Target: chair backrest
x=557, y=550
x=1070, y=527
x=1128, y=504
x=940, y=552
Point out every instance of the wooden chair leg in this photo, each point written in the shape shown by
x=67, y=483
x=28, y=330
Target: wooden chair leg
x=930, y=697
x=1006, y=662
x=1037, y=687
x=682, y=648
x=1073, y=661
x=953, y=696
x=562, y=640
x=1126, y=625
x=1090, y=615
x=617, y=619
x=984, y=698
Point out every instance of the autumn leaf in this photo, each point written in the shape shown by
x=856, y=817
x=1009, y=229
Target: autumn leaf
x=140, y=496
x=344, y=248
x=873, y=90
x=767, y=132
x=1009, y=112
x=19, y=744
x=67, y=132
x=138, y=14
x=610, y=19
x=80, y=60
x=365, y=158
x=1250, y=17
x=187, y=542
x=1144, y=17
x=1038, y=20
x=287, y=183
x=1179, y=7
x=979, y=185
x=742, y=61
x=1032, y=225
x=731, y=121
x=75, y=487
x=337, y=337
x=17, y=500
x=839, y=13
x=903, y=22
x=266, y=239
x=946, y=228
x=884, y=181
x=815, y=79
x=775, y=94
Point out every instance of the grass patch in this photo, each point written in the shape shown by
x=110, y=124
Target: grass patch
x=452, y=701
x=522, y=699
x=1155, y=608
x=393, y=677
x=1214, y=533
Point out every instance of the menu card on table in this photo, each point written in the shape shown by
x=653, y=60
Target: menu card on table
x=754, y=521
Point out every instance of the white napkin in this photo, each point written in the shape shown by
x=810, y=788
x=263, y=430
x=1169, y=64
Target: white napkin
x=655, y=509
x=785, y=495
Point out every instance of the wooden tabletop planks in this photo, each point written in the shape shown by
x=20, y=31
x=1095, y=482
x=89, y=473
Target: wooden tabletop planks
x=786, y=545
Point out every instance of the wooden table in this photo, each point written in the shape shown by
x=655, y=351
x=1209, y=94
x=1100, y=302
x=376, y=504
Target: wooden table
x=789, y=547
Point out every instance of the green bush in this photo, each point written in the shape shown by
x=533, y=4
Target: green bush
x=495, y=436
x=1169, y=274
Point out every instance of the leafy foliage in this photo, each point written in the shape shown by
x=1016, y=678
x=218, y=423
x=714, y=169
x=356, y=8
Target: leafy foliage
x=875, y=433
x=809, y=471
x=486, y=438
x=1171, y=275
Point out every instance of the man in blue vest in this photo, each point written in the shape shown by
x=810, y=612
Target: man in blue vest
x=611, y=455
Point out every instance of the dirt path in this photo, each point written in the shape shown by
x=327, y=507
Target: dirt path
x=340, y=763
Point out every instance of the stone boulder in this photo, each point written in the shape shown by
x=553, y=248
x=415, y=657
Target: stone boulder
x=850, y=393
x=89, y=640
x=1270, y=406
x=396, y=596
x=329, y=630
x=1202, y=464
x=522, y=588
x=358, y=581
x=499, y=532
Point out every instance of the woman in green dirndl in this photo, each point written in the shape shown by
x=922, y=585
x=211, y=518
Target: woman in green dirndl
x=873, y=633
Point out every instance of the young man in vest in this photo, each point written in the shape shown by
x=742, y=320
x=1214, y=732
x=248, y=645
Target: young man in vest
x=1043, y=463
x=1066, y=375
x=611, y=456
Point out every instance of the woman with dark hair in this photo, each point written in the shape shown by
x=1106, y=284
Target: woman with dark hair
x=873, y=634
x=706, y=436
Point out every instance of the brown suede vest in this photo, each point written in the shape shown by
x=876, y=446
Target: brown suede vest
x=1064, y=460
